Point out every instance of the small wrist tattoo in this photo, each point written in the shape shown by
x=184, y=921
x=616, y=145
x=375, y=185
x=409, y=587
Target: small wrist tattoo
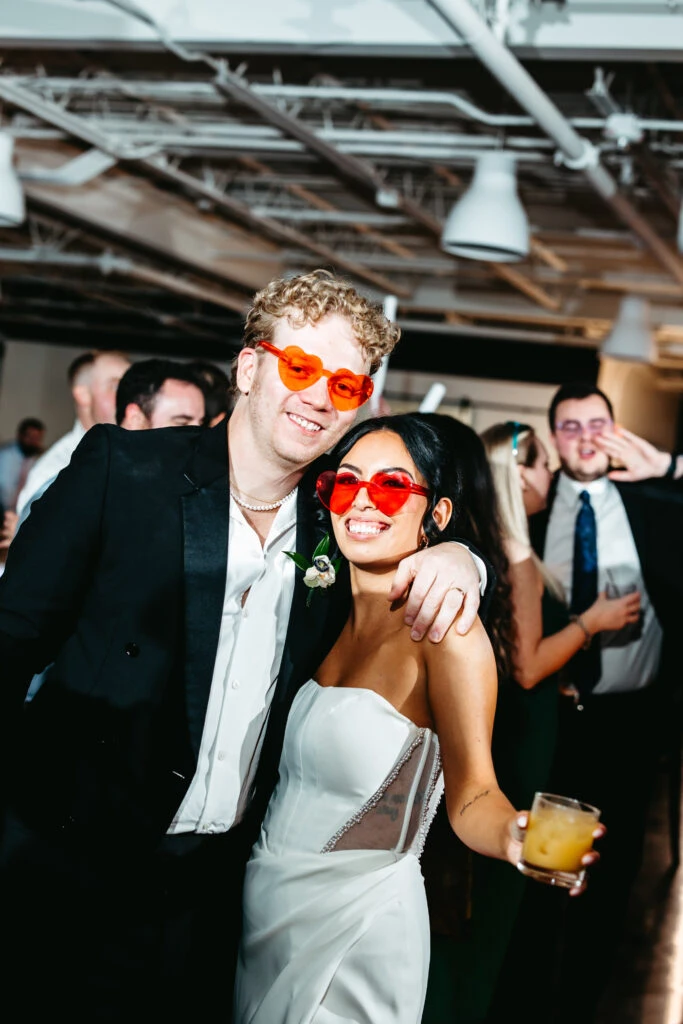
x=469, y=803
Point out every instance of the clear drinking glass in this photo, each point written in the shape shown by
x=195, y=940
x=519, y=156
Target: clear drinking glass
x=618, y=583
x=559, y=833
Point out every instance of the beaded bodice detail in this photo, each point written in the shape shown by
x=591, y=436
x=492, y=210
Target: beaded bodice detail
x=397, y=816
x=355, y=774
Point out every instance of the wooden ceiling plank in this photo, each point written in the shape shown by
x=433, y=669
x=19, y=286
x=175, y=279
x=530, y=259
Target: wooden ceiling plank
x=324, y=204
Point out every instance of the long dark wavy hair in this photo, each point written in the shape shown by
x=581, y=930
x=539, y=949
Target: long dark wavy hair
x=479, y=522
x=453, y=463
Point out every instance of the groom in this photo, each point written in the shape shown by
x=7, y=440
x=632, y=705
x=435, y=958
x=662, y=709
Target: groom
x=152, y=578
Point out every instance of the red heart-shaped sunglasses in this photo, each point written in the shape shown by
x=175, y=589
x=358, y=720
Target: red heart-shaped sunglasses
x=388, y=492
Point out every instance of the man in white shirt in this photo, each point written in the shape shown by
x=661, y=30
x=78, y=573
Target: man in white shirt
x=613, y=723
x=153, y=574
x=93, y=379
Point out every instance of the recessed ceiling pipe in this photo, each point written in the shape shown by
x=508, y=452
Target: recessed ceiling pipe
x=577, y=153
x=184, y=92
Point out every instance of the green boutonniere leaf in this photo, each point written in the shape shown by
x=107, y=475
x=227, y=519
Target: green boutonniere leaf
x=323, y=547
x=299, y=560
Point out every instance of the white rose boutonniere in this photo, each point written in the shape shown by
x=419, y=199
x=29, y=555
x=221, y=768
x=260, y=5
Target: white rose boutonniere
x=320, y=571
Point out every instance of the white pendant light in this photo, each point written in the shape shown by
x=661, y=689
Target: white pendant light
x=631, y=337
x=488, y=222
x=12, y=206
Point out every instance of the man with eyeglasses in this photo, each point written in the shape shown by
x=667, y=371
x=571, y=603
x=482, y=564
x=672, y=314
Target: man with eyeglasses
x=610, y=529
x=153, y=578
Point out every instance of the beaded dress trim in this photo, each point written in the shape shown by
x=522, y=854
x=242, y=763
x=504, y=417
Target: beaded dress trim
x=427, y=811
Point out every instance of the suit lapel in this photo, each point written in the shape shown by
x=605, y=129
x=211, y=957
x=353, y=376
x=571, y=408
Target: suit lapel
x=205, y=513
x=312, y=628
x=635, y=511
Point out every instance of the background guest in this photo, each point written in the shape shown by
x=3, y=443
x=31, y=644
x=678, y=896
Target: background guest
x=616, y=724
x=93, y=379
x=17, y=457
x=159, y=393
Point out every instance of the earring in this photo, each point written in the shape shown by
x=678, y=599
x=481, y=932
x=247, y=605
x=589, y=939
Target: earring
x=424, y=541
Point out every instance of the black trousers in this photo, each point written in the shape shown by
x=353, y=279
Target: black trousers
x=608, y=755
x=94, y=937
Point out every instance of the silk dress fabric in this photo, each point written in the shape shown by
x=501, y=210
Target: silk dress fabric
x=336, y=928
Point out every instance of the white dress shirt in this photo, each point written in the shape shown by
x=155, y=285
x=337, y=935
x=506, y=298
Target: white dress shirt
x=49, y=465
x=625, y=666
x=250, y=647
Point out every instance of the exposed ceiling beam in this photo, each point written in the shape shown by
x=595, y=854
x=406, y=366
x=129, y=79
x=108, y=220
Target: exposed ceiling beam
x=108, y=264
x=272, y=228
x=12, y=91
x=664, y=289
x=321, y=204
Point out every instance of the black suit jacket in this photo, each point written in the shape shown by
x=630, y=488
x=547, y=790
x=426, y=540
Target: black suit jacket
x=116, y=580
x=655, y=513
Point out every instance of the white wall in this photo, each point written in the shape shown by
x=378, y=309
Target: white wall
x=33, y=382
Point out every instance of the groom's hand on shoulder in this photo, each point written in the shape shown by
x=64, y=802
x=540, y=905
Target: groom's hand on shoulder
x=442, y=583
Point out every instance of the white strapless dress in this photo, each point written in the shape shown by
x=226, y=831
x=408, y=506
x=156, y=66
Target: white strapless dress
x=336, y=929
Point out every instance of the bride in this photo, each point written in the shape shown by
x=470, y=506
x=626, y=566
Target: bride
x=335, y=916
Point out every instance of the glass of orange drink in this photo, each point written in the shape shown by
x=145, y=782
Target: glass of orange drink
x=559, y=833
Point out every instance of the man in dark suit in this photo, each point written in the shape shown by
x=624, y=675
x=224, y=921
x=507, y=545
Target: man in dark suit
x=152, y=578
x=615, y=713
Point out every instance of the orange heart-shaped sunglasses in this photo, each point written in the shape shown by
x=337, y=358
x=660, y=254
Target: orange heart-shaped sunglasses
x=299, y=370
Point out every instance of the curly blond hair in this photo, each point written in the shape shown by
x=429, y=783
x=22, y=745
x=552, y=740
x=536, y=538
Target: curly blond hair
x=309, y=298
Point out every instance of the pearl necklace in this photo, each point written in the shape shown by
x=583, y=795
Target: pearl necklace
x=263, y=508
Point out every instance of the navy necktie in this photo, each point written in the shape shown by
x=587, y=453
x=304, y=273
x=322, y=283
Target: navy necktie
x=586, y=667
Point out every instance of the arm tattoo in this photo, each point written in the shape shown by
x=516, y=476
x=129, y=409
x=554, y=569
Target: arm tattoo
x=484, y=792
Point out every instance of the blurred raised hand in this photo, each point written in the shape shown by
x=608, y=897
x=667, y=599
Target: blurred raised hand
x=639, y=459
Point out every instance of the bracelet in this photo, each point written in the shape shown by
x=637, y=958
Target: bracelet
x=669, y=475
x=579, y=622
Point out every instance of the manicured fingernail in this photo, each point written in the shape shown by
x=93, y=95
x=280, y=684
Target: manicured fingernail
x=415, y=634
x=409, y=620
